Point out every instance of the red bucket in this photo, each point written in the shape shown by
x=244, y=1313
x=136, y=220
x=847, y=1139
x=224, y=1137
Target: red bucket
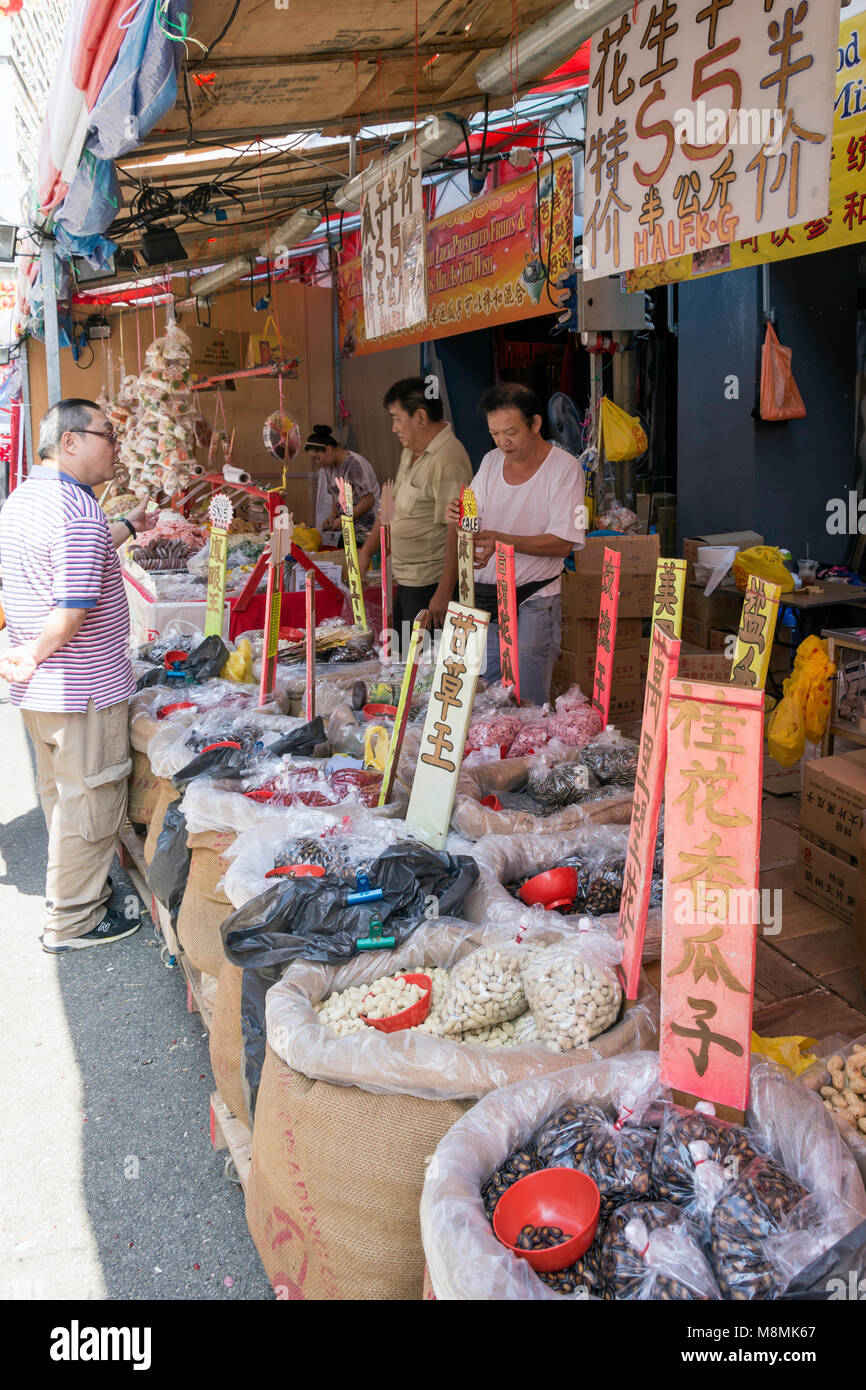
x=406, y=1018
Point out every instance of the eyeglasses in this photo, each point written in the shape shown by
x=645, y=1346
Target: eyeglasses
x=108, y=434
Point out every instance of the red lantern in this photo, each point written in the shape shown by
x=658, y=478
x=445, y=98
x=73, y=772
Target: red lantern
x=11, y=6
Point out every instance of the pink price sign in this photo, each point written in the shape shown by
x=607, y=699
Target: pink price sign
x=607, y=618
x=310, y=594
x=506, y=601
x=649, y=784
x=711, y=896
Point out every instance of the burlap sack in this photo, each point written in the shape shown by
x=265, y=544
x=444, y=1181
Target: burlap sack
x=165, y=795
x=205, y=906
x=226, y=1041
x=143, y=789
x=344, y=1126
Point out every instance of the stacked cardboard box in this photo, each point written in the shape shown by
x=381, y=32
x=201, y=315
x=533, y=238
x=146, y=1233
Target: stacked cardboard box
x=831, y=818
x=581, y=597
x=743, y=540
x=704, y=615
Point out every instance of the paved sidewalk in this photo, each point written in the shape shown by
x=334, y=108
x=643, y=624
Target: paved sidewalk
x=109, y=1187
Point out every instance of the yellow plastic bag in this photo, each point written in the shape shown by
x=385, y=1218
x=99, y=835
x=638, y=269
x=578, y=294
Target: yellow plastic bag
x=788, y=1052
x=624, y=436
x=239, y=666
x=765, y=562
x=307, y=537
x=805, y=708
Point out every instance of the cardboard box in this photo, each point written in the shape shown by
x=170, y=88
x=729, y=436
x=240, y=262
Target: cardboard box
x=743, y=540
x=719, y=610
x=638, y=553
x=579, y=668
x=860, y=909
x=697, y=634
x=834, y=794
x=697, y=664
x=581, y=634
x=581, y=595
x=626, y=702
x=826, y=880
x=845, y=856
x=213, y=353
x=719, y=637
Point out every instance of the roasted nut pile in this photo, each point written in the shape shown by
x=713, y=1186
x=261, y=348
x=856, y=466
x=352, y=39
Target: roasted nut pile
x=541, y=1237
x=760, y=1204
x=342, y=1012
x=389, y=996
x=846, y=1095
x=571, y=999
x=673, y=1168
x=486, y=988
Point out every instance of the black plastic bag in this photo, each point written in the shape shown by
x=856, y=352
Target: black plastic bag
x=231, y=764
x=300, y=742
x=202, y=664
x=169, y=868
x=308, y=918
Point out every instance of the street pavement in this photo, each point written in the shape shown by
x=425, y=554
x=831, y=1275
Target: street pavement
x=110, y=1187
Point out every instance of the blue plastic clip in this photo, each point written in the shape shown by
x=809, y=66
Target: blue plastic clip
x=364, y=893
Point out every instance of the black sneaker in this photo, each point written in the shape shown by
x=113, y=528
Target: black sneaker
x=111, y=928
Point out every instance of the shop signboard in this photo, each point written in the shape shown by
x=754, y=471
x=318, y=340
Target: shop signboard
x=393, y=271
x=220, y=512
x=466, y=547
x=649, y=783
x=711, y=898
x=707, y=123
x=486, y=263
x=669, y=598
x=404, y=705
x=755, y=638
x=506, y=607
x=281, y=540
x=455, y=678
x=844, y=223
x=310, y=645
x=607, y=618
x=350, y=545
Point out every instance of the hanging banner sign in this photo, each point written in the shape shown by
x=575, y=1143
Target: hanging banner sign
x=706, y=124
x=403, y=707
x=649, y=784
x=393, y=249
x=281, y=539
x=844, y=223
x=458, y=665
x=486, y=263
x=310, y=613
x=669, y=598
x=713, y=791
x=607, y=619
x=755, y=638
x=350, y=545
x=466, y=547
x=386, y=516
x=506, y=603
x=220, y=512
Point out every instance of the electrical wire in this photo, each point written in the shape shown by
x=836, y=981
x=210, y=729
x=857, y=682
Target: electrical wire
x=222, y=33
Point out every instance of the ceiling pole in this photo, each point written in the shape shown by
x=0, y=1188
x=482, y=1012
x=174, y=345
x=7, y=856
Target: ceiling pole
x=49, y=314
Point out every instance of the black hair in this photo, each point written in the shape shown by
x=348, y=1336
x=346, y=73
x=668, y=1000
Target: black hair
x=511, y=395
x=411, y=394
x=322, y=438
x=64, y=415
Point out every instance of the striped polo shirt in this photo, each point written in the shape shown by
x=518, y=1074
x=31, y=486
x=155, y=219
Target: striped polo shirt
x=57, y=552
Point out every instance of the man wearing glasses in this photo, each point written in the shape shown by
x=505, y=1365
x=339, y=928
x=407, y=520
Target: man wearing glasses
x=68, y=664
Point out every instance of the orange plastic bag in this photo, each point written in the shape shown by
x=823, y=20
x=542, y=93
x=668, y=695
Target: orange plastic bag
x=780, y=399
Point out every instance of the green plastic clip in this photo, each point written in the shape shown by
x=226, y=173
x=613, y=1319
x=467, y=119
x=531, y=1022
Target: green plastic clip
x=376, y=941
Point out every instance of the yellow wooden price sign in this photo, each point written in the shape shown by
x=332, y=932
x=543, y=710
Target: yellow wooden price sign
x=755, y=638
x=669, y=598
x=353, y=569
x=220, y=512
x=281, y=540
x=403, y=706
x=466, y=547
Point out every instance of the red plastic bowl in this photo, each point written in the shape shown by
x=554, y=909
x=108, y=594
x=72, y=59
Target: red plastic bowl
x=380, y=712
x=554, y=1197
x=223, y=743
x=177, y=655
x=292, y=634
x=297, y=871
x=491, y=802
x=173, y=709
x=406, y=1018
x=556, y=888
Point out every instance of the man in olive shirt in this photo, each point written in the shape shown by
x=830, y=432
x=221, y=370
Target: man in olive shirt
x=434, y=467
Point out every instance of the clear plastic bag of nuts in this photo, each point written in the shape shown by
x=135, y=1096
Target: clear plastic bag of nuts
x=664, y=1262
x=573, y=991
x=486, y=988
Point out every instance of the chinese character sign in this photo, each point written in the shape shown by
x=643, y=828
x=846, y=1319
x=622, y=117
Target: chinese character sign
x=350, y=545
x=669, y=597
x=401, y=718
x=649, y=782
x=711, y=898
x=455, y=678
x=708, y=121
x=466, y=547
x=607, y=618
x=755, y=638
x=393, y=249
x=506, y=604
x=386, y=516
x=281, y=539
x=221, y=512
x=310, y=614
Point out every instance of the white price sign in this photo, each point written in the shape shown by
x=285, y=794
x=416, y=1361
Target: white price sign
x=394, y=249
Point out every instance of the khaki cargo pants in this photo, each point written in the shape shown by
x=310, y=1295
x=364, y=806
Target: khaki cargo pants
x=82, y=767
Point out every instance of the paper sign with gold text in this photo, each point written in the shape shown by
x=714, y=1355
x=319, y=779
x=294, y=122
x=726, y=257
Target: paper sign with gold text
x=486, y=262
x=607, y=619
x=649, y=784
x=755, y=638
x=506, y=605
x=220, y=512
x=281, y=540
x=404, y=706
x=713, y=790
x=393, y=268
x=669, y=597
x=845, y=221
x=706, y=123
x=461, y=654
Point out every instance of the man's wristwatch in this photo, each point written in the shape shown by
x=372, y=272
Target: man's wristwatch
x=130, y=527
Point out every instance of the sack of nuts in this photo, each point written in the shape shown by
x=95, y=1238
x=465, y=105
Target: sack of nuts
x=647, y=1259
x=674, y=1169
x=573, y=991
x=485, y=988
x=766, y=1201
